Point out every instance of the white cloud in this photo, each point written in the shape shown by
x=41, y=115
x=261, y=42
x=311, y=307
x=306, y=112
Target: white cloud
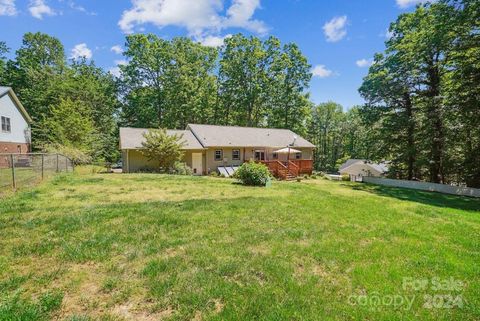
x=199, y=17
x=81, y=50
x=80, y=8
x=408, y=3
x=7, y=8
x=117, y=49
x=321, y=71
x=121, y=62
x=213, y=41
x=240, y=13
x=116, y=70
x=364, y=63
x=388, y=34
x=38, y=8
x=335, y=29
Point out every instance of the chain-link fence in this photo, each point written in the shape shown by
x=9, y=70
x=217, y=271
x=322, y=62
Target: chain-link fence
x=22, y=170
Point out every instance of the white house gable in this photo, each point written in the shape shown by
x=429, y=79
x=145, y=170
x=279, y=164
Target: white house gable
x=14, y=126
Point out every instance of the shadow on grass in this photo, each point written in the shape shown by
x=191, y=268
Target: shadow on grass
x=424, y=197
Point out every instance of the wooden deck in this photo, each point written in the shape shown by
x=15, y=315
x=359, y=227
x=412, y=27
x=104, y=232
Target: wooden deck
x=290, y=169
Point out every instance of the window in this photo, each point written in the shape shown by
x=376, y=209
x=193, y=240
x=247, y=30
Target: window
x=236, y=154
x=298, y=155
x=259, y=155
x=275, y=155
x=6, y=125
x=218, y=155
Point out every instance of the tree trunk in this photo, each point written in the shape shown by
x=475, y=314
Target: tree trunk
x=411, y=150
x=434, y=111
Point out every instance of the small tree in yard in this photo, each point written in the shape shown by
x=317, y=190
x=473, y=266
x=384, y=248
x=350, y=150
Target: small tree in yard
x=162, y=148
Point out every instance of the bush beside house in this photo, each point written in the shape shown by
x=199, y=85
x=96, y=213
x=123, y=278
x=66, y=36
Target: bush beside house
x=253, y=174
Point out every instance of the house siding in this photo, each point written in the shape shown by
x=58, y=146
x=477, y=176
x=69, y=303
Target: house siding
x=20, y=129
x=135, y=161
x=246, y=154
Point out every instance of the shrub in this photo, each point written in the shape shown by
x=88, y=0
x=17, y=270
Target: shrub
x=253, y=174
x=345, y=177
x=320, y=174
x=78, y=156
x=180, y=168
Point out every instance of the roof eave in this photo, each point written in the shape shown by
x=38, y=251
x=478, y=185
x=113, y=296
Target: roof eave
x=19, y=105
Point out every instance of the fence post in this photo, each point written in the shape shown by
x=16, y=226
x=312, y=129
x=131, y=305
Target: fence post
x=43, y=166
x=66, y=164
x=57, y=163
x=14, y=182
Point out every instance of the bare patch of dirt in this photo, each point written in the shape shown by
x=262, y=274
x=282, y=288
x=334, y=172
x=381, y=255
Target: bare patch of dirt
x=129, y=311
x=218, y=306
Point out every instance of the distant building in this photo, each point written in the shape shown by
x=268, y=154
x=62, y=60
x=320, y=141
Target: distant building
x=15, y=134
x=363, y=167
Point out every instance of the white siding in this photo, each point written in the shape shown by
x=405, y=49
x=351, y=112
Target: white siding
x=19, y=126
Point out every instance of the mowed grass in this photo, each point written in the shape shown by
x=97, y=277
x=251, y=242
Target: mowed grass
x=155, y=247
x=25, y=177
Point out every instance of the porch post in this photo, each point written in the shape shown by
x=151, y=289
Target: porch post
x=288, y=159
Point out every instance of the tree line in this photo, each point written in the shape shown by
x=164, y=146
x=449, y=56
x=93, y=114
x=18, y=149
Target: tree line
x=73, y=104
x=77, y=106
x=246, y=82
x=422, y=94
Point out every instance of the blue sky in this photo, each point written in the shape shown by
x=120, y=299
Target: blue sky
x=339, y=37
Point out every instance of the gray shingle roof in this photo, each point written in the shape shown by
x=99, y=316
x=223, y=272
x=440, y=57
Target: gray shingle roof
x=351, y=162
x=234, y=136
x=132, y=138
x=380, y=167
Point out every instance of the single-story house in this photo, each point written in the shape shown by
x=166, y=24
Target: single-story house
x=362, y=167
x=210, y=148
x=15, y=133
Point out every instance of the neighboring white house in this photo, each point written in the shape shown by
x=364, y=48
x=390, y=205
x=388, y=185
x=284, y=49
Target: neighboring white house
x=361, y=167
x=15, y=123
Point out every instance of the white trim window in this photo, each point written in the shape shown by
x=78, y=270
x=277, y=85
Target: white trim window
x=6, y=126
x=275, y=155
x=218, y=155
x=235, y=154
x=298, y=155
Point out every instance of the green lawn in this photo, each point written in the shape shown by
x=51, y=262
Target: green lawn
x=25, y=177
x=150, y=247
